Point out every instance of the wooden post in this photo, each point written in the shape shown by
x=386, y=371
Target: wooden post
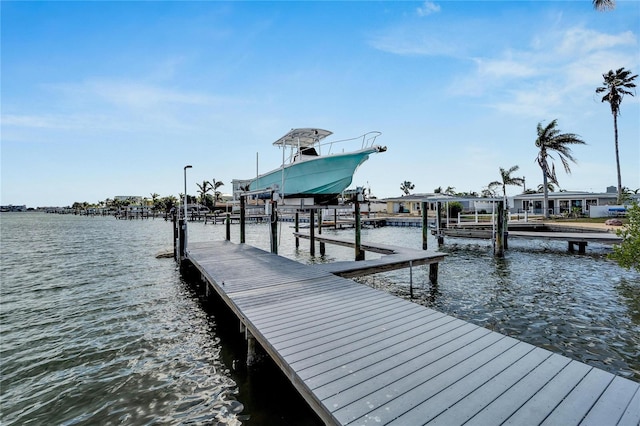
x=174, y=220
x=411, y=279
x=322, y=245
x=228, y=225
x=425, y=225
x=505, y=228
x=582, y=247
x=335, y=218
x=274, y=227
x=439, y=231
x=251, y=350
x=181, y=238
x=359, y=252
x=499, y=245
x=312, y=232
x=242, y=216
x=433, y=273
x=297, y=227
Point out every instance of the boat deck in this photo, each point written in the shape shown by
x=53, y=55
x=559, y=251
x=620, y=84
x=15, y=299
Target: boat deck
x=360, y=355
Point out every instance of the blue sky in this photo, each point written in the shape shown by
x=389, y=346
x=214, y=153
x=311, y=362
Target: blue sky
x=114, y=98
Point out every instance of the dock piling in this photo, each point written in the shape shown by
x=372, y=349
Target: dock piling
x=242, y=217
x=411, y=279
x=358, y=247
x=251, y=349
x=498, y=250
x=439, y=233
x=322, y=245
x=274, y=227
x=312, y=234
x=297, y=228
x=433, y=273
x=425, y=225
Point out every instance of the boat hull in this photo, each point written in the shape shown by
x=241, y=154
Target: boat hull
x=323, y=176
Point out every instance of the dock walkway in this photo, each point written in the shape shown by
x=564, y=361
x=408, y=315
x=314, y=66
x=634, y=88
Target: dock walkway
x=360, y=355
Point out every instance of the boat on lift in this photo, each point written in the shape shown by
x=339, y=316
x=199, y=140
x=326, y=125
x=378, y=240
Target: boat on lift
x=312, y=166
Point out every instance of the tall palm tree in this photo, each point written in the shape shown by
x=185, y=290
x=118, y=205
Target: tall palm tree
x=202, y=190
x=507, y=179
x=616, y=85
x=215, y=184
x=604, y=5
x=550, y=139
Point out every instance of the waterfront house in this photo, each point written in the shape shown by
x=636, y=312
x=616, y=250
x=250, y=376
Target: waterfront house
x=566, y=202
x=410, y=204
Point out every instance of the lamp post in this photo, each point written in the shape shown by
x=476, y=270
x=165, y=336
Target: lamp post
x=185, y=207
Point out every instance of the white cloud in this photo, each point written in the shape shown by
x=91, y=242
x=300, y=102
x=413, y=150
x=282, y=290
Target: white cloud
x=556, y=72
x=428, y=8
x=413, y=42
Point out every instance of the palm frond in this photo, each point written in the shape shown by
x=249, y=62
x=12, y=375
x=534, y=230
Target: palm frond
x=604, y=5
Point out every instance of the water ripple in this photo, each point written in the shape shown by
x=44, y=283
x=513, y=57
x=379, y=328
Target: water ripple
x=91, y=336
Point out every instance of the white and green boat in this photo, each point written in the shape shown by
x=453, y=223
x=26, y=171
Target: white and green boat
x=313, y=167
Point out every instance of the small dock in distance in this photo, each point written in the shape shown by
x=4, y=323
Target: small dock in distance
x=533, y=231
x=360, y=355
x=393, y=258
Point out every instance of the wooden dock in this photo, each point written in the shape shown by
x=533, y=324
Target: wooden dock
x=394, y=258
x=360, y=355
x=572, y=238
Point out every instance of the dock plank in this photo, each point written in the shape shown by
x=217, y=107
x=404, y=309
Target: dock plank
x=360, y=355
x=613, y=403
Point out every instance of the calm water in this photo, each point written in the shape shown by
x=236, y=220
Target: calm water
x=96, y=330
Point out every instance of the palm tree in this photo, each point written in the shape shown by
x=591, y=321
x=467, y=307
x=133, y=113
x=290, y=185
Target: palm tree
x=202, y=190
x=616, y=85
x=604, y=5
x=507, y=179
x=550, y=187
x=215, y=184
x=550, y=139
x=406, y=187
x=450, y=190
x=488, y=192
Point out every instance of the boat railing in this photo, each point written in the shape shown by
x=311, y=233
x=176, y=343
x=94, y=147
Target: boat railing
x=366, y=141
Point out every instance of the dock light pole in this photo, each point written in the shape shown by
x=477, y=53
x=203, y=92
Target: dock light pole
x=184, y=249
